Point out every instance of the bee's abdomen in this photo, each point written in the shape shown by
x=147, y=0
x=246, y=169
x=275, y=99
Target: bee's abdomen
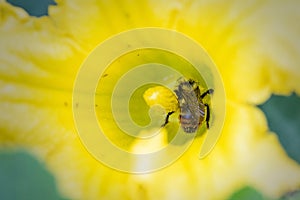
x=188, y=123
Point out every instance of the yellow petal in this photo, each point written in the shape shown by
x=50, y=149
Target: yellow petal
x=245, y=155
x=254, y=43
x=92, y=22
x=41, y=57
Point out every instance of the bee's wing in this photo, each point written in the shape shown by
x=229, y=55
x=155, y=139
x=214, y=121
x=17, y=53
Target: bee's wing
x=192, y=103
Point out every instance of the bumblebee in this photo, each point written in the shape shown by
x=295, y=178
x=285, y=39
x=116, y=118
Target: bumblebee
x=193, y=111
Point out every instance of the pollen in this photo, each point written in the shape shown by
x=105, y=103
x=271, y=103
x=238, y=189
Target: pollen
x=162, y=96
x=154, y=96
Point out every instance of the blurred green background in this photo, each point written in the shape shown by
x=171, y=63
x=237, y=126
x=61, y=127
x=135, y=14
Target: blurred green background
x=24, y=177
x=33, y=7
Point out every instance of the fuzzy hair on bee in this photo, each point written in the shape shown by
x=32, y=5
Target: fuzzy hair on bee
x=193, y=111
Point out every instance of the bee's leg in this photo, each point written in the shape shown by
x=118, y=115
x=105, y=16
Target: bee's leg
x=210, y=91
x=207, y=115
x=167, y=118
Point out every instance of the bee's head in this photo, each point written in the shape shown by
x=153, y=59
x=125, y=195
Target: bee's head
x=186, y=86
x=191, y=82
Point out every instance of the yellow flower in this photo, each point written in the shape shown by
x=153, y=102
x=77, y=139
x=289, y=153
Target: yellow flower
x=255, y=45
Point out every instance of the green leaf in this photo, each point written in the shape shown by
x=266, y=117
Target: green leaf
x=23, y=177
x=283, y=115
x=247, y=193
